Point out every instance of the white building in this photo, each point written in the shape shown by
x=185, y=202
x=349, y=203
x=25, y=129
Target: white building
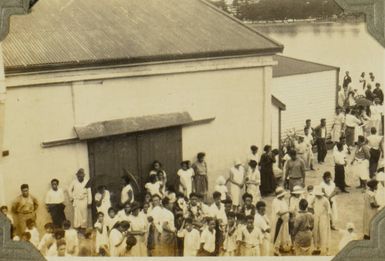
x=308, y=90
x=110, y=86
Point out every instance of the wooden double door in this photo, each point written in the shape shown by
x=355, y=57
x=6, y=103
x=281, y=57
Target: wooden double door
x=112, y=157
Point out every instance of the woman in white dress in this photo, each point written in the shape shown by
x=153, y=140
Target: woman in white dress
x=253, y=180
x=138, y=228
x=280, y=223
x=236, y=179
x=338, y=125
x=185, y=174
x=329, y=188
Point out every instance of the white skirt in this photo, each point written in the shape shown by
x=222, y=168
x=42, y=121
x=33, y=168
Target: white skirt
x=360, y=169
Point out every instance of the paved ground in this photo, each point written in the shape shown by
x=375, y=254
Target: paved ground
x=350, y=206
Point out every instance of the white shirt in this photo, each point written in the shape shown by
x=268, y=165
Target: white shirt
x=138, y=223
x=186, y=176
x=262, y=223
x=78, y=191
x=218, y=213
x=339, y=157
x=101, y=238
x=153, y=188
x=374, y=141
x=114, y=239
x=124, y=194
x=191, y=241
x=254, y=157
x=110, y=222
x=323, y=132
x=35, y=236
x=106, y=201
x=345, y=150
x=122, y=216
x=208, y=240
x=351, y=121
x=376, y=111
x=162, y=216
x=252, y=239
x=54, y=197
x=72, y=240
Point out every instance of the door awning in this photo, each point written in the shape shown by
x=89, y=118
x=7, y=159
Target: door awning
x=132, y=124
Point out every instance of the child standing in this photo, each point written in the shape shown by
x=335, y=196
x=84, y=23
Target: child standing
x=101, y=239
x=31, y=228
x=207, y=238
x=221, y=187
x=230, y=236
x=250, y=239
x=191, y=238
x=261, y=221
x=185, y=174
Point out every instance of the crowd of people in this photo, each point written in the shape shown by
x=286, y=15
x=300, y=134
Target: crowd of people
x=184, y=219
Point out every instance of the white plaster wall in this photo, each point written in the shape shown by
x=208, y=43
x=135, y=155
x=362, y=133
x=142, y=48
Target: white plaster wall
x=44, y=113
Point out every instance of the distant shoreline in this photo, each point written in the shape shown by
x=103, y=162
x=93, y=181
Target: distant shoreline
x=304, y=22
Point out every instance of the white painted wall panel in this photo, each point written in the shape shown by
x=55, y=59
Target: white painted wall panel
x=307, y=96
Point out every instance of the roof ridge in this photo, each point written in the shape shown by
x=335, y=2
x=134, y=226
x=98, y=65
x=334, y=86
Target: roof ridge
x=241, y=23
x=307, y=61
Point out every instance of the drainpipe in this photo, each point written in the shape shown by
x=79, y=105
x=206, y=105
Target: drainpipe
x=3, y=95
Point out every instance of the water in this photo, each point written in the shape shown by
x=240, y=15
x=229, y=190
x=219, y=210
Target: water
x=345, y=45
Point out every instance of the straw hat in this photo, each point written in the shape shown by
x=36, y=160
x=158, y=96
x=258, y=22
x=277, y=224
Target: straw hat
x=280, y=192
x=318, y=191
x=298, y=190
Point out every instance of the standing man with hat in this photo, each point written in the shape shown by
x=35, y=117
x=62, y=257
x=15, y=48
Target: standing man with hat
x=320, y=134
x=295, y=171
x=24, y=207
x=81, y=197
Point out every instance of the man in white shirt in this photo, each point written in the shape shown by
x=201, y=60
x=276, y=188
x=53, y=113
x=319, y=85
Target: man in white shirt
x=351, y=122
x=339, y=167
x=217, y=209
x=81, y=197
x=253, y=155
x=54, y=201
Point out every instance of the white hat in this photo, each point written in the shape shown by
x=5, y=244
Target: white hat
x=298, y=190
x=221, y=180
x=350, y=225
x=237, y=162
x=280, y=192
x=318, y=191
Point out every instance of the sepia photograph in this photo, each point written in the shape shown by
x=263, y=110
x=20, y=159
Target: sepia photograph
x=188, y=128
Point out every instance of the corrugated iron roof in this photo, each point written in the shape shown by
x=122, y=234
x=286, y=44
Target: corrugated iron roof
x=291, y=66
x=60, y=33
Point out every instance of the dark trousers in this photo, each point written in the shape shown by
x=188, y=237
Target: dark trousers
x=321, y=149
x=373, y=161
x=339, y=176
x=57, y=214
